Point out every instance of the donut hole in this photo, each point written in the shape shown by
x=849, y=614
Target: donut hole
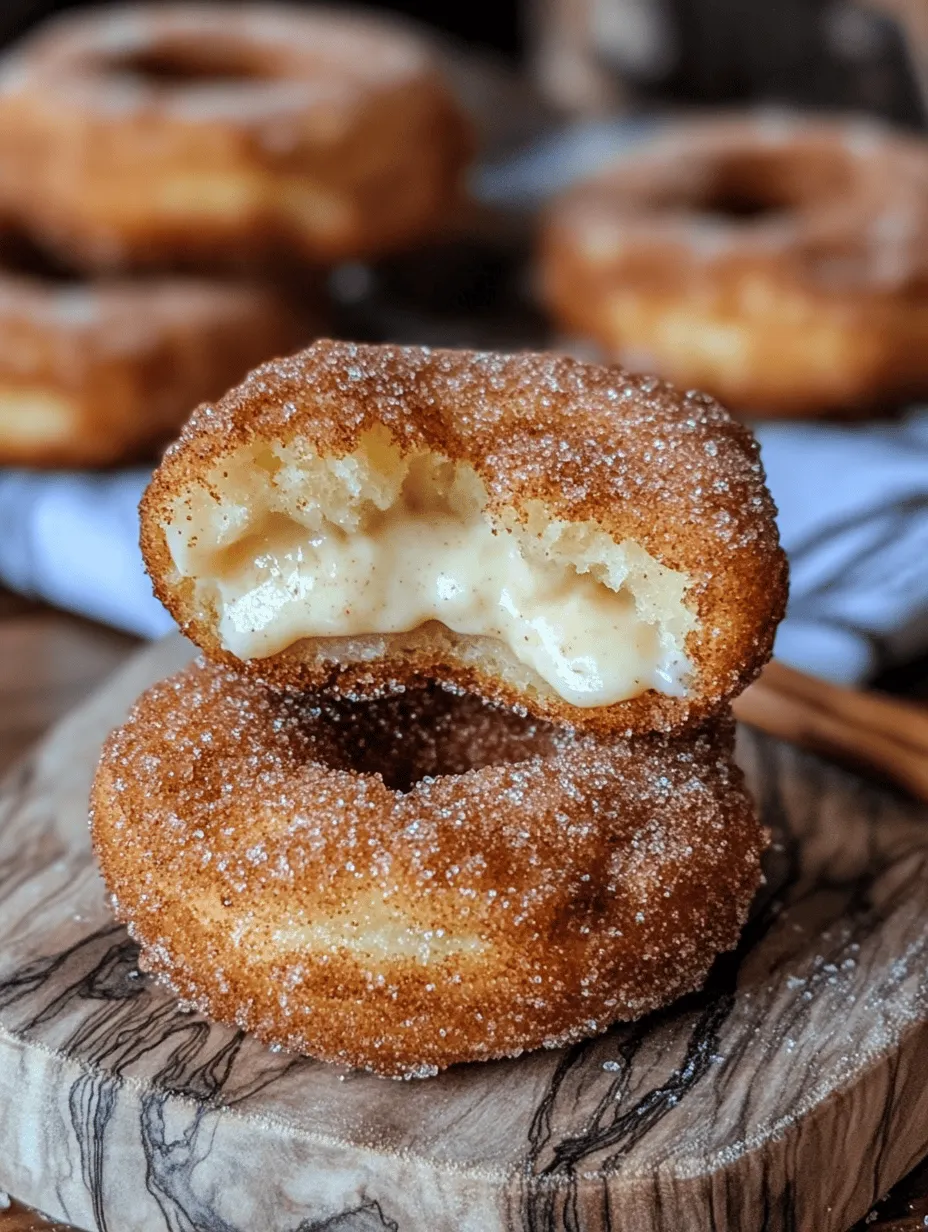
x=755, y=186
x=175, y=66
x=735, y=203
x=744, y=193
x=22, y=257
x=428, y=734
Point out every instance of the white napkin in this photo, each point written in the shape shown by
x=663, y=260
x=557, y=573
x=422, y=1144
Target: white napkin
x=853, y=516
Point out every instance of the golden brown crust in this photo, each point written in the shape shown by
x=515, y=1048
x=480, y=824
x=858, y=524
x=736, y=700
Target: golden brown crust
x=213, y=131
x=780, y=264
x=100, y=373
x=516, y=885
x=672, y=472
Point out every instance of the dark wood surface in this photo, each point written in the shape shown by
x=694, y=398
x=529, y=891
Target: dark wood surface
x=48, y=661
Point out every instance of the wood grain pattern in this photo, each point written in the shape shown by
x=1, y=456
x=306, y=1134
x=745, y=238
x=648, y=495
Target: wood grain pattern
x=49, y=660
x=730, y=1111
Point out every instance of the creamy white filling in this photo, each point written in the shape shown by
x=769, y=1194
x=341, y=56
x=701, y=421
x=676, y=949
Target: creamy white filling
x=585, y=640
x=599, y=622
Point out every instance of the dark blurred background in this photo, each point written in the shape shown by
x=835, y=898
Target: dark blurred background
x=494, y=25
x=589, y=55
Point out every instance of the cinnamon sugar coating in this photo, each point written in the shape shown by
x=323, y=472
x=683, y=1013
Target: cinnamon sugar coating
x=780, y=263
x=101, y=372
x=403, y=884
x=145, y=134
x=669, y=477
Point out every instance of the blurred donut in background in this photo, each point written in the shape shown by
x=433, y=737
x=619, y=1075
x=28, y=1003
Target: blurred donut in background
x=94, y=373
x=780, y=264
x=140, y=135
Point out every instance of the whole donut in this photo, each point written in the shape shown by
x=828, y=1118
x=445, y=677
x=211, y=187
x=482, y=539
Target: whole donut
x=177, y=132
x=780, y=264
x=94, y=373
x=403, y=884
x=596, y=548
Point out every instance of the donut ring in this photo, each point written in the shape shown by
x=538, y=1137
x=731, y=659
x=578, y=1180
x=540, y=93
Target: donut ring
x=509, y=886
x=99, y=373
x=604, y=547
x=782, y=266
x=192, y=131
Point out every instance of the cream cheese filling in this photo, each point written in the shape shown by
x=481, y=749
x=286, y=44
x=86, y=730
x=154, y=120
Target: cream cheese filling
x=598, y=621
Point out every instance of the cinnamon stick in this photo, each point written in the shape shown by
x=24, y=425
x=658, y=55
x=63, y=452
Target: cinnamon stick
x=868, y=730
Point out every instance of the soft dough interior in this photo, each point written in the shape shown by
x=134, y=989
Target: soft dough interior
x=284, y=545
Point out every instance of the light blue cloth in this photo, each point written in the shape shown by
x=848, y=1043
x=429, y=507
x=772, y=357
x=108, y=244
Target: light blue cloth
x=73, y=540
x=853, y=504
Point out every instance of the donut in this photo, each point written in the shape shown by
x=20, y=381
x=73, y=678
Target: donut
x=781, y=264
x=405, y=883
x=145, y=134
x=94, y=373
x=356, y=519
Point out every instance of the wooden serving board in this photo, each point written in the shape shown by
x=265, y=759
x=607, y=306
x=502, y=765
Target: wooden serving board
x=790, y=1094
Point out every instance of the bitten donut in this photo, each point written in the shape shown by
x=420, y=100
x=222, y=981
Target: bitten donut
x=96, y=373
x=593, y=547
x=782, y=265
x=152, y=133
x=406, y=883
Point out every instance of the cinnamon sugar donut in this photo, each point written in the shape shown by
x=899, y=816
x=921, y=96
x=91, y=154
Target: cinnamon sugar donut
x=403, y=884
x=96, y=373
x=596, y=548
x=152, y=133
x=781, y=265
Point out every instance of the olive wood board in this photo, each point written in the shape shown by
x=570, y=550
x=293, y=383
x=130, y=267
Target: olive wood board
x=791, y=1093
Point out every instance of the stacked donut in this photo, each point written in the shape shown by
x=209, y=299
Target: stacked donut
x=226, y=141
x=454, y=777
